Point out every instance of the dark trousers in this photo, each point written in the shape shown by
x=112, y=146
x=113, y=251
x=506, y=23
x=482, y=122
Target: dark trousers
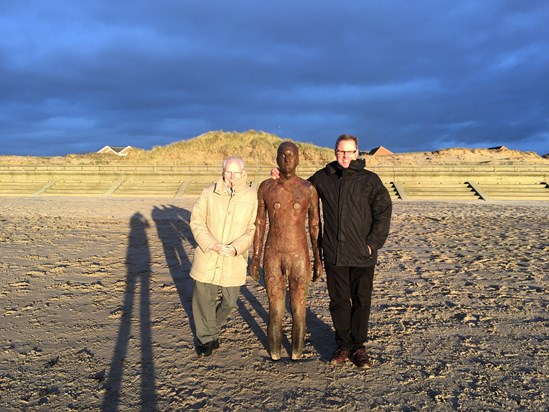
x=350, y=290
x=209, y=313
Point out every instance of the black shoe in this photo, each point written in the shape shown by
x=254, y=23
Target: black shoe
x=208, y=348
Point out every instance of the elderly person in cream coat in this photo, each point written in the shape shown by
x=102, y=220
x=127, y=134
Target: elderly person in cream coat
x=222, y=222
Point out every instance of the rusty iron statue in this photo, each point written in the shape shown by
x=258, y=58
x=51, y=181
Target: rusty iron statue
x=288, y=202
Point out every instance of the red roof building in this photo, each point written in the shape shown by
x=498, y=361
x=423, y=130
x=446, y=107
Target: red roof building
x=380, y=151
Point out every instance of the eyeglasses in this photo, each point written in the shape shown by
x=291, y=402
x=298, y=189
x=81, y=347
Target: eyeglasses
x=345, y=152
x=229, y=173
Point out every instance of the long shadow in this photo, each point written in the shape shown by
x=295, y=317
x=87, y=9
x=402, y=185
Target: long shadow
x=138, y=273
x=322, y=335
x=250, y=319
x=172, y=225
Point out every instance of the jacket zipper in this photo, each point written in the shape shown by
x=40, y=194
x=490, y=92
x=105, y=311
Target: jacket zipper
x=339, y=185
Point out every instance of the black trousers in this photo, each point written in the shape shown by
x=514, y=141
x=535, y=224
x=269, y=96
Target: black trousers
x=350, y=290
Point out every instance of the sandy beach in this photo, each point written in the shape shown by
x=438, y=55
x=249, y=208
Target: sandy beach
x=96, y=300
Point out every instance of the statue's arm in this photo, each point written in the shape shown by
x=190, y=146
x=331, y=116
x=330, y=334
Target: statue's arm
x=315, y=232
x=259, y=235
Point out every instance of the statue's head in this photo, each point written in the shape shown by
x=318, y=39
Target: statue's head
x=287, y=157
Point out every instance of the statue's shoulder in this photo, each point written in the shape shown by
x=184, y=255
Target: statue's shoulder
x=304, y=182
x=266, y=184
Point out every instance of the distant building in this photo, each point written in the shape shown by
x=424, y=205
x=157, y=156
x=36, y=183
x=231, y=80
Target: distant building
x=116, y=150
x=380, y=151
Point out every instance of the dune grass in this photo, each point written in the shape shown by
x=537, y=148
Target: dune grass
x=257, y=148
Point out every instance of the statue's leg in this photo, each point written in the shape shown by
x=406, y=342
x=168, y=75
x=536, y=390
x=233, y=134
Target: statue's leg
x=299, y=288
x=276, y=291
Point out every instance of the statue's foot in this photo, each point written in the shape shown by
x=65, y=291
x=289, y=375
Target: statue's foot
x=297, y=355
x=275, y=356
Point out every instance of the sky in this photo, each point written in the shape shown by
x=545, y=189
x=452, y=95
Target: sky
x=408, y=75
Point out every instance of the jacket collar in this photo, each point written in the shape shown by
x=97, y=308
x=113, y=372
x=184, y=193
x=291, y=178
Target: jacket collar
x=238, y=186
x=355, y=165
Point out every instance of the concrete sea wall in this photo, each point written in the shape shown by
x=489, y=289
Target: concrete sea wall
x=421, y=182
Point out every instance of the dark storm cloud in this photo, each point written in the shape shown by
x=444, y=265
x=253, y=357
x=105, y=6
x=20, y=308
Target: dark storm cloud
x=423, y=75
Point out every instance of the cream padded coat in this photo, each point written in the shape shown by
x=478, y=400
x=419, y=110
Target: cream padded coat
x=218, y=216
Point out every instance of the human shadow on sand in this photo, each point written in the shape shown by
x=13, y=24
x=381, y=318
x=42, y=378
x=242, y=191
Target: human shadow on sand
x=247, y=295
x=172, y=225
x=138, y=274
x=321, y=333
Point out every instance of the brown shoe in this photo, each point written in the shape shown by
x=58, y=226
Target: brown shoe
x=340, y=356
x=360, y=359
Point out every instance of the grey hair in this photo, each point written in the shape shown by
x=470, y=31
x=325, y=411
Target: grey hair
x=233, y=159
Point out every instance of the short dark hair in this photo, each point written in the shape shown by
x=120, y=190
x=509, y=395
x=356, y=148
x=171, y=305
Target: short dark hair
x=346, y=137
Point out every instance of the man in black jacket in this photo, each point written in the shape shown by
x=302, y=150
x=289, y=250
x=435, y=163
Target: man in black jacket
x=357, y=214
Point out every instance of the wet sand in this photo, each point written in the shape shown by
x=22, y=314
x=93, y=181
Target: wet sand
x=96, y=302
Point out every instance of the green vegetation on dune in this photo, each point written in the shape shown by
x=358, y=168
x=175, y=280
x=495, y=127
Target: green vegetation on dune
x=257, y=148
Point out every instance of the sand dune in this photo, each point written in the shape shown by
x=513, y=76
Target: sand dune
x=96, y=306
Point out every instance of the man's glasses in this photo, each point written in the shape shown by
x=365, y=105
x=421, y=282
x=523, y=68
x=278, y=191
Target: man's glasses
x=228, y=173
x=345, y=152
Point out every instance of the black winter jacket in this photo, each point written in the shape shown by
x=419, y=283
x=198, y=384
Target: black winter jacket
x=356, y=209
